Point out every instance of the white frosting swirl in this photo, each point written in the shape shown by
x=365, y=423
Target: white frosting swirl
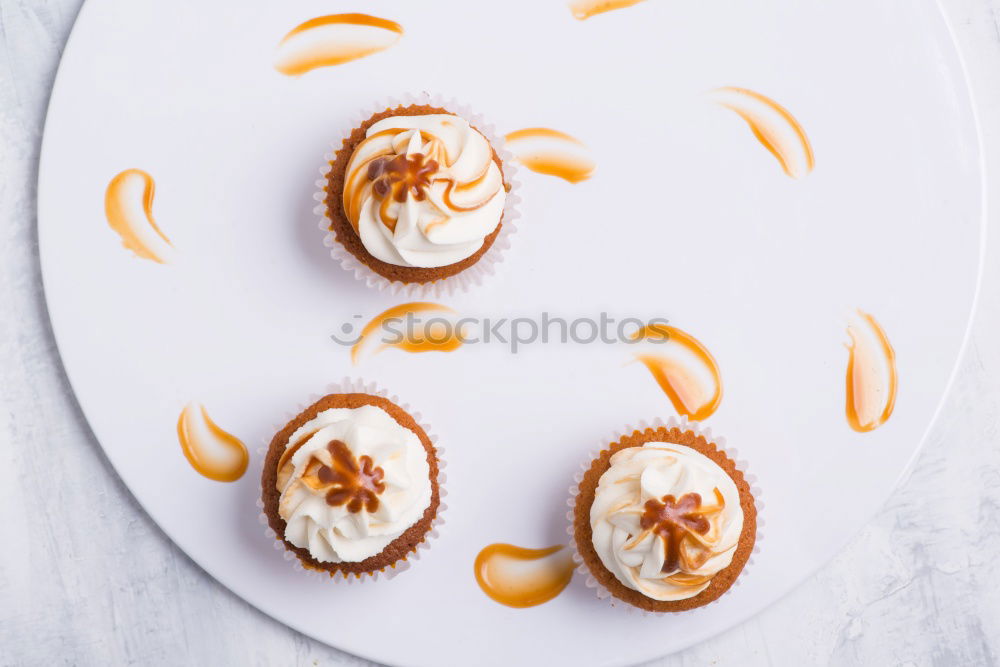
x=635, y=553
x=447, y=191
x=334, y=533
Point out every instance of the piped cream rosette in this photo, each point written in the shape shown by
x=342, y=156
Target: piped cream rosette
x=423, y=191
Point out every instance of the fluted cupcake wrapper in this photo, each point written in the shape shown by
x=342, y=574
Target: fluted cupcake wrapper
x=683, y=424
x=460, y=282
x=358, y=386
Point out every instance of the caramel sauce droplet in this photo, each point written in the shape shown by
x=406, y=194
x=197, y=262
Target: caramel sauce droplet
x=210, y=450
x=128, y=205
x=551, y=152
x=584, y=9
x=690, y=377
x=773, y=125
x=520, y=577
x=431, y=337
x=871, y=394
x=334, y=40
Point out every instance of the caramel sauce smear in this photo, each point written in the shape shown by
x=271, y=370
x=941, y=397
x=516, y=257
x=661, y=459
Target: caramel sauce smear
x=773, y=125
x=584, y=9
x=333, y=40
x=211, y=451
x=519, y=577
x=686, y=371
x=429, y=336
x=871, y=375
x=128, y=206
x=551, y=152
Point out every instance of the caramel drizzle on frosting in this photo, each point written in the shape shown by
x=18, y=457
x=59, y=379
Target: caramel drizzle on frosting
x=452, y=186
x=675, y=521
x=392, y=177
x=682, y=579
x=345, y=479
x=519, y=577
x=398, y=178
x=285, y=467
x=358, y=181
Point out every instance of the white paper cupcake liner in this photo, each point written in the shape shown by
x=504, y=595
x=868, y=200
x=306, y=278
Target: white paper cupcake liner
x=357, y=386
x=460, y=282
x=683, y=424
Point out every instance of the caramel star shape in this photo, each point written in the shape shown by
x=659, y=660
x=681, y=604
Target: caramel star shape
x=675, y=521
x=402, y=176
x=347, y=480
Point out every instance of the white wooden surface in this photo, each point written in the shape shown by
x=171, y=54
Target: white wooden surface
x=87, y=578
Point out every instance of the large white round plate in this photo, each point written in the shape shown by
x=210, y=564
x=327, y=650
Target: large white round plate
x=688, y=218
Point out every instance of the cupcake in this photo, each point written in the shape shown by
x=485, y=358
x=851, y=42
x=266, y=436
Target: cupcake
x=416, y=194
x=663, y=520
x=350, y=485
